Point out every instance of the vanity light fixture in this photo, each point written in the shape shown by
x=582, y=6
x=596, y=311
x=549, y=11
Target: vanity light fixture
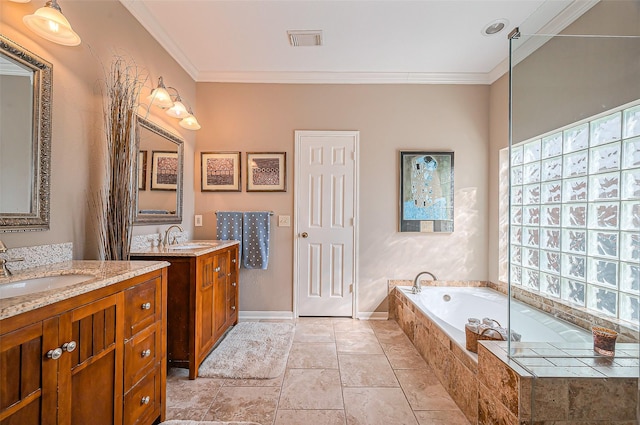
x=160, y=96
x=20, y=1
x=190, y=122
x=49, y=23
x=178, y=110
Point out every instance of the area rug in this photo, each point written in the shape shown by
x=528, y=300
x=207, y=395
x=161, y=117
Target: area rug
x=179, y=422
x=251, y=350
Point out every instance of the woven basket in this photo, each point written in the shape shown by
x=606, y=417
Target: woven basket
x=474, y=337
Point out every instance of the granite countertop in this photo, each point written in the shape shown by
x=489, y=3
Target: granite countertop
x=179, y=250
x=104, y=273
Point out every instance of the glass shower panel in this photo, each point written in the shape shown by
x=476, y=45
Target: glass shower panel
x=575, y=205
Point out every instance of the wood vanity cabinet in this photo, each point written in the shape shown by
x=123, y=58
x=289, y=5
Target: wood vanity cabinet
x=97, y=358
x=202, y=304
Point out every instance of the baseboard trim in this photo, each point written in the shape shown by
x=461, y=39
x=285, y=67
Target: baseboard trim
x=373, y=315
x=265, y=315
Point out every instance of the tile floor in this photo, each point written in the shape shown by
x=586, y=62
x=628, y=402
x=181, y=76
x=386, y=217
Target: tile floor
x=339, y=371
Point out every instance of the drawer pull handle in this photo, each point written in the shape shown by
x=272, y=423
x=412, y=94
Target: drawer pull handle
x=145, y=400
x=146, y=306
x=54, y=354
x=146, y=353
x=69, y=346
x=233, y=307
x=233, y=284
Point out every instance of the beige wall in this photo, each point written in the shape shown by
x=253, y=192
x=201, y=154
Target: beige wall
x=106, y=28
x=263, y=117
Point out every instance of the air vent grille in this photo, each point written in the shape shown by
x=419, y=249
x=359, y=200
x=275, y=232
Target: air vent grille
x=305, y=38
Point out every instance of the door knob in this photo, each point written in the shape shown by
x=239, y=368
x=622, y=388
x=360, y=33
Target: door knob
x=304, y=235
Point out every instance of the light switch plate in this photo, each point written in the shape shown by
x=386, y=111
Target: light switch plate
x=284, y=221
x=198, y=221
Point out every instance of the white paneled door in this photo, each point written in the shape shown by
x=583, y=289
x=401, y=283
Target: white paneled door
x=325, y=222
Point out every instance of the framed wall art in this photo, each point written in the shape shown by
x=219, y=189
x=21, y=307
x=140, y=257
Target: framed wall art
x=266, y=171
x=426, y=191
x=142, y=170
x=164, y=170
x=220, y=171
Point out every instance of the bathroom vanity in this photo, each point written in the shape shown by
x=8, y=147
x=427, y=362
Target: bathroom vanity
x=202, y=297
x=91, y=352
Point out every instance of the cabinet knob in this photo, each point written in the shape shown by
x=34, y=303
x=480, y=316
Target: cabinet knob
x=145, y=400
x=146, y=353
x=146, y=306
x=233, y=307
x=69, y=346
x=217, y=269
x=54, y=354
x=233, y=284
x=233, y=260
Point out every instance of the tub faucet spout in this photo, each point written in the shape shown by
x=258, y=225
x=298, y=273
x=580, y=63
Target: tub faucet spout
x=417, y=287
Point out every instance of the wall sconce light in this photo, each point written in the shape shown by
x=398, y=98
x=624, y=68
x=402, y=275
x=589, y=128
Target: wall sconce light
x=190, y=122
x=49, y=23
x=161, y=97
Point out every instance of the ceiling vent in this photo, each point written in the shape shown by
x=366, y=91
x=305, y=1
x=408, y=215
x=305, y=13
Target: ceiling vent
x=305, y=38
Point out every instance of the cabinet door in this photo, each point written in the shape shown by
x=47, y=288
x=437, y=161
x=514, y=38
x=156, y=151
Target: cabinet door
x=90, y=376
x=205, y=320
x=220, y=307
x=233, y=286
x=28, y=389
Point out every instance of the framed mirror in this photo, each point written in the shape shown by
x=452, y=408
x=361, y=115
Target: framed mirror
x=25, y=138
x=159, y=174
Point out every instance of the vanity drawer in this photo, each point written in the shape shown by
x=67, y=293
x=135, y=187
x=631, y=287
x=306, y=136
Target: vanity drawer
x=141, y=353
x=142, y=306
x=142, y=403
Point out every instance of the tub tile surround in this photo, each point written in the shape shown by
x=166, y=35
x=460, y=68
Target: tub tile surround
x=39, y=255
x=559, y=383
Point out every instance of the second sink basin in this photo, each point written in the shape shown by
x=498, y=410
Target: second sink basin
x=40, y=284
x=193, y=245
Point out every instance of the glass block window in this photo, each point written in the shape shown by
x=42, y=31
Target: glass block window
x=575, y=214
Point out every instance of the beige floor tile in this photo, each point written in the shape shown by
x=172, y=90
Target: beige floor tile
x=441, y=417
x=252, y=404
x=377, y=406
x=310, y=417
x=388, y=332
x=424, y=391
x=318, y=331
x=346, y=325
x=403, y=356
x=184, y=393
x=311, y=389
x=275, y=382
x=186, y=414
x=366, y=370
x=357, y=342
x=313, y=355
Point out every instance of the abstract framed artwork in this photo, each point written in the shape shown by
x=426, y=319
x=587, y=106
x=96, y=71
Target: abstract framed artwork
x=426, y=191
x=266, y=171
x=164, y=170
x=142, y=170
x=220, y=172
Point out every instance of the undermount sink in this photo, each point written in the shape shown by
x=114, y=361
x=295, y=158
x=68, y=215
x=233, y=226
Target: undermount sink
x=39, y=284
x=193, y=245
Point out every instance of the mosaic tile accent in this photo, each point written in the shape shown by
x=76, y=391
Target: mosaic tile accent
x=40, y=255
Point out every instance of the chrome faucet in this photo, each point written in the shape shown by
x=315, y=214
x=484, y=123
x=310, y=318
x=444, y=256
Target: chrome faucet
x=165, y=240
x=417, y=287
x=4, y=271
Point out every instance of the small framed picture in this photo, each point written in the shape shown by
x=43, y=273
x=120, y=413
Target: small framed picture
x=164, y=170
x=266, y=171
x=220, y=172
x=142, y=170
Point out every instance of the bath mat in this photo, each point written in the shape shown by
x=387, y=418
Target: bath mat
x=179, y=422
x=251, y=350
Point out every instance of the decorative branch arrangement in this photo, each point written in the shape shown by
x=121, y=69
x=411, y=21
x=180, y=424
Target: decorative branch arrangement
x=115, y=203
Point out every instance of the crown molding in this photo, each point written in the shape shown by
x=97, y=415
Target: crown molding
x=343, y=77
x=555, y=26
x=146, y=19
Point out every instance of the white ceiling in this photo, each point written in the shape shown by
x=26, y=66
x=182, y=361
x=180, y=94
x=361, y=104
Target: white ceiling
x=365, y=41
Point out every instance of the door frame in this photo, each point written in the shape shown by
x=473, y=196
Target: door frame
x=356, y=206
